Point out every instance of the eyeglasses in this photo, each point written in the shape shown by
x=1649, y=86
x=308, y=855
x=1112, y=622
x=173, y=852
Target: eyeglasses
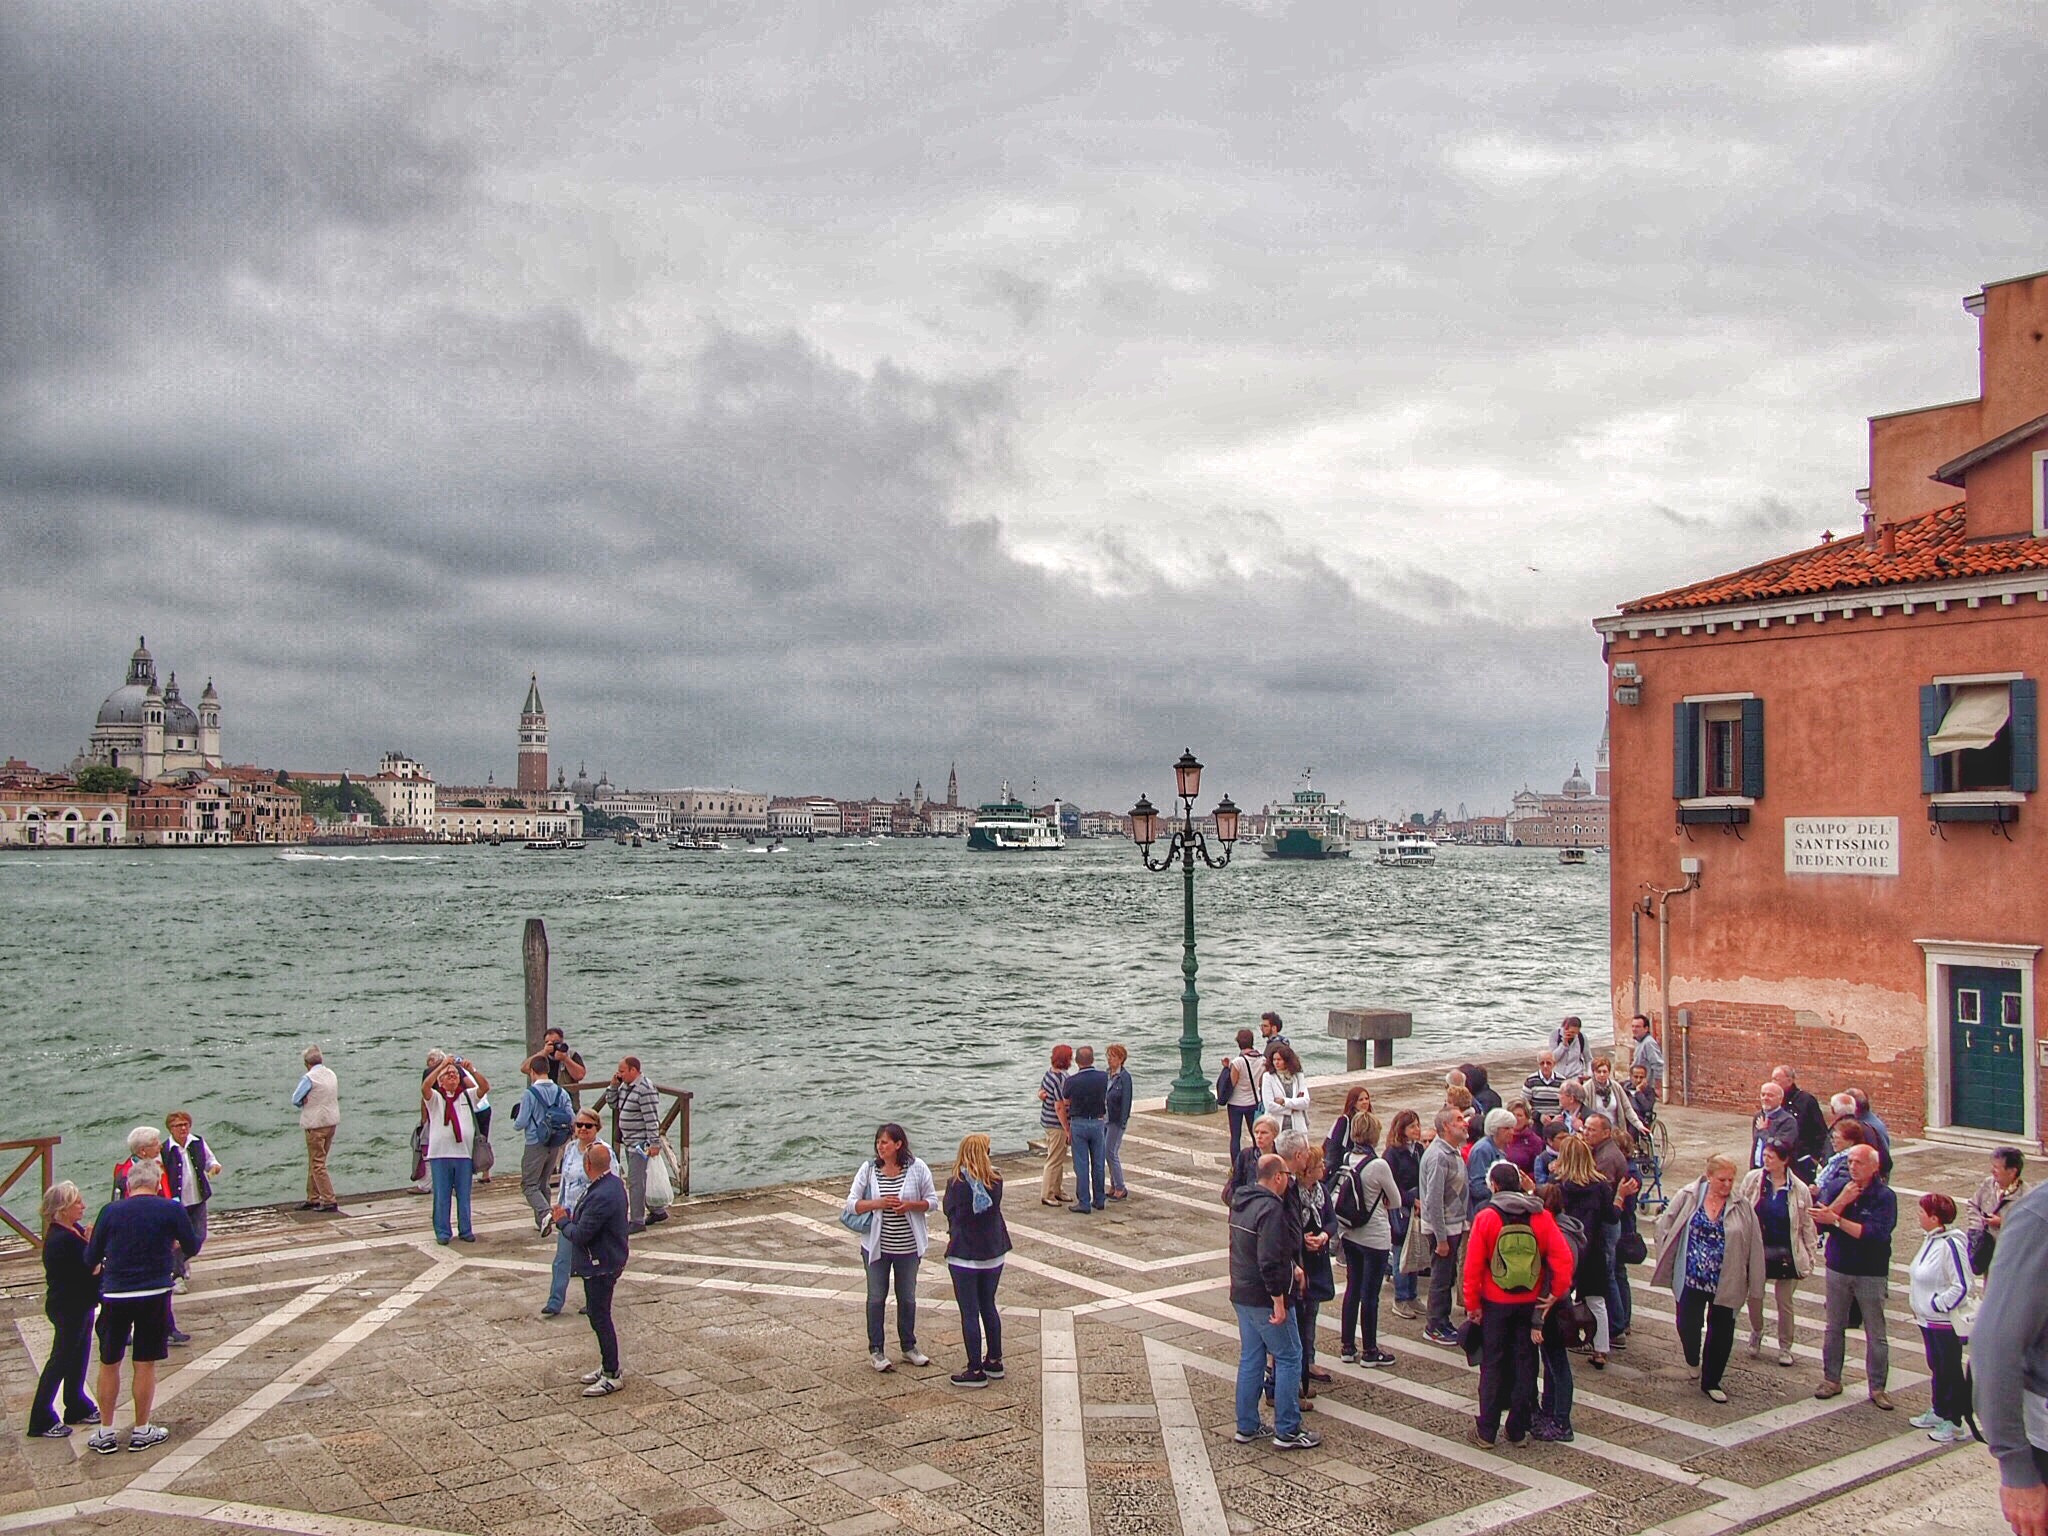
x=586, y=1125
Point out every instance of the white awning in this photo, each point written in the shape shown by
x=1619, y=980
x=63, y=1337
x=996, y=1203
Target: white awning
x=1976, y=714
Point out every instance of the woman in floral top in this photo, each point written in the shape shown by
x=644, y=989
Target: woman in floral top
x=1711, y=1254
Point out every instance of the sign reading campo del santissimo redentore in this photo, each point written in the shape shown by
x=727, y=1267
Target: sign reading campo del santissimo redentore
x=1841, y=845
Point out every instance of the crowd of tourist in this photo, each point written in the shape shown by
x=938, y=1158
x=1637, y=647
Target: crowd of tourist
x=1522, y=1211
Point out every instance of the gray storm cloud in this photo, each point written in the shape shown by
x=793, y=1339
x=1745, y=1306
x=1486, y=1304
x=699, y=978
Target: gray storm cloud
x=813, y=401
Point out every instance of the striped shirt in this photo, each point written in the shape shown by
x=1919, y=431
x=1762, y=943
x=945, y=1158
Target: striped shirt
x=897, y=1238
x=1052, y=1088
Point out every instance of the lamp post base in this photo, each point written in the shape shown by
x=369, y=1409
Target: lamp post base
x=1198, y=1100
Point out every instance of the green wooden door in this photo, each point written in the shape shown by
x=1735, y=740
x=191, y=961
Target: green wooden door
x=1987, y=1067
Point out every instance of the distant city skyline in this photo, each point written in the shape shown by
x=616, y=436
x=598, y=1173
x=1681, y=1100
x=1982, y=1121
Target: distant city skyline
x=1045, y=389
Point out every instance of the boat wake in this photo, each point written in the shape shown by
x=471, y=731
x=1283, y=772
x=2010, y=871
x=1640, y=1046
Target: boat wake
x=300, y=856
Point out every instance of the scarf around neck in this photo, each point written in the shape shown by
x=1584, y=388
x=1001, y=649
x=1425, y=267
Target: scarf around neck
x=448, y=1102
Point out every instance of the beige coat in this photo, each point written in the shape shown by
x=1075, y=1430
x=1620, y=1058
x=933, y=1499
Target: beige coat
x=1742, y=1264
x=1799, y=1201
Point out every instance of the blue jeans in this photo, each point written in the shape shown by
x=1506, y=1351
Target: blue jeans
x=451, y=1177
x=558, y=1278
x=981, y=1326
x=902, y=1268
x=1404, y=1285
x=1116, y=1158
x=1091, y=1147
x=1258, y=1336
x=1241, y=1118
x=1620, y=1303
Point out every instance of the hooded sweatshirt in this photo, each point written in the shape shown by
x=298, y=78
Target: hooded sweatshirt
x=1557, y=1254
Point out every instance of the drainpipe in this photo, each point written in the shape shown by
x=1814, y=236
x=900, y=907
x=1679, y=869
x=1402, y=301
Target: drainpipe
x=1663, y=899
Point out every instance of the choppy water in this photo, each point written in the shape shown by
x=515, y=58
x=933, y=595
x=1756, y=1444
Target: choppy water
x=804, y=996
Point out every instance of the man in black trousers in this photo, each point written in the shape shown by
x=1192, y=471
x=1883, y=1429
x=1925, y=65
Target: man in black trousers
x=597, y=1230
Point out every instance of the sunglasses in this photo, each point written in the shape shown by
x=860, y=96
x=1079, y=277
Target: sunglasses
x=586, y=1125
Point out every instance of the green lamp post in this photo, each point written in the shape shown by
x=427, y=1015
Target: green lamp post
x=1190, y=1093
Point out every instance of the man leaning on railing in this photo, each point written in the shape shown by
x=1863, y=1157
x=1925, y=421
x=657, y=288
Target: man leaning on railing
x=639, y=1128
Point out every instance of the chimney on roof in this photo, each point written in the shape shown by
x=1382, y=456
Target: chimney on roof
x=1888, y=540
x=1869, y=529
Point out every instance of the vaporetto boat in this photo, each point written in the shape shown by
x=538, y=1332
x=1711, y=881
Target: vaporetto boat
x=1010, y=826
x=1308, y=827
x=1408, y=849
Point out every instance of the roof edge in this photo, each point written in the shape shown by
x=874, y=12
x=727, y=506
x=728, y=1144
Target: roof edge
x=1953, y=472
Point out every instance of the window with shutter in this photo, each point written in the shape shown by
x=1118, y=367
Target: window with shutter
x=1979, y=735
x=1717, y=757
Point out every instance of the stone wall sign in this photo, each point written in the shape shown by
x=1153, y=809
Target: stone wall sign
x=1841, y=845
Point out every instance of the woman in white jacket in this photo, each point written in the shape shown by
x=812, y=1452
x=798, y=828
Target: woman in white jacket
x=1284, y=1091
x=1940, y=1280
x=1784, y=1213
x=894, y=1191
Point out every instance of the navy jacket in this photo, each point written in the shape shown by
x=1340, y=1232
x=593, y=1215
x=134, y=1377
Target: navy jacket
x=71, y=1289
x=1877, y=1209
x=134, y=1239
x=598, y=1229
x=970, y=1235
x=1265, y=1242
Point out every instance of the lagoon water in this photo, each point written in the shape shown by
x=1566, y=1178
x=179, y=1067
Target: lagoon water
x=803, y=996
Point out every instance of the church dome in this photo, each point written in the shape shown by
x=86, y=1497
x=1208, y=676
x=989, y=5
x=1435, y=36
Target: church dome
x=1576, y=785
x=124, y=705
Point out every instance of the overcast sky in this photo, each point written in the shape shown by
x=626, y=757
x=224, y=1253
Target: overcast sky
x=816, y=395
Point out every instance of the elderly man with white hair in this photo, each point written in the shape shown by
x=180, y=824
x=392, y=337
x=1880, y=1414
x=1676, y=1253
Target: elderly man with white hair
x=134, y=1244
x=318, y=1101
x=1773, y=1126
x=1858, y=1211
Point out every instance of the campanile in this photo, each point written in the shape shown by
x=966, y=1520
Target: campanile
x=533, y=742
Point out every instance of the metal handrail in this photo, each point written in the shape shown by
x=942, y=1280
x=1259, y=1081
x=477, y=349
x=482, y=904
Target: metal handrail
x=40, y=1148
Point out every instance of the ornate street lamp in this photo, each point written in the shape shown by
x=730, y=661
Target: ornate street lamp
x=1190, y=1093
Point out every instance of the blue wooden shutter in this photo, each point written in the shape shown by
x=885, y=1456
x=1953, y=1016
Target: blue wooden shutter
x=1685, y=750
x=1753, y=748
x=2026, y=736
x=1930, y=722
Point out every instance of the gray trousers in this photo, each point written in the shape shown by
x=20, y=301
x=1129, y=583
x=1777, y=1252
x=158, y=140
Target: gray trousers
x=537, y=1165
x=1443, y=1282
x=181, y=1261
x=636, y=1186
x=1870, y=1292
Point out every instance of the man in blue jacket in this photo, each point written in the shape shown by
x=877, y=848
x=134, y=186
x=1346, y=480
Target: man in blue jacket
x=134, y=1246
x=597, y=1230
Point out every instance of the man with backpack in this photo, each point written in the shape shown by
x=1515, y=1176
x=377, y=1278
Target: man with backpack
x=545, y=1115
x=1517, y=1265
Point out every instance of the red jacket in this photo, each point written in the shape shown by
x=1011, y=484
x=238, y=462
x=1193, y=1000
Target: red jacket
x=1486, y=1225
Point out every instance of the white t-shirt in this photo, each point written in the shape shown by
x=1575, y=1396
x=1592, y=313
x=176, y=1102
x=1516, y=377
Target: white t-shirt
x=441, y=1139
x=188, y=1191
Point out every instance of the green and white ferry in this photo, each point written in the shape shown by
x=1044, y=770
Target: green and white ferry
x=1010, y=826
x=1308, y=828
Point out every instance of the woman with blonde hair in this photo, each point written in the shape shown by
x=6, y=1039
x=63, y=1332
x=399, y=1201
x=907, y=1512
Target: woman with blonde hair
x=1711, y=1253
x=71, y=1295
x=1784, y=1218
x=1591, y=1201
x=977, y=1240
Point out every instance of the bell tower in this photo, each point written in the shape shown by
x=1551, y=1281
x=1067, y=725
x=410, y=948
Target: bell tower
x=533, y=744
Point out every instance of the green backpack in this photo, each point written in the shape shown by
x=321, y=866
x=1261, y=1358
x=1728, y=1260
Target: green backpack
x=1517, y=1257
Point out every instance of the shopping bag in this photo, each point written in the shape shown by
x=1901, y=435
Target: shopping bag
x=661, y=1188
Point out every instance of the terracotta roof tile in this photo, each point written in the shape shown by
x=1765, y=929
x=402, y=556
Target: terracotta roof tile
x=1929, y=548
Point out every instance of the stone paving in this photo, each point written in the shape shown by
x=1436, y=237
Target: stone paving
x=349, y=1377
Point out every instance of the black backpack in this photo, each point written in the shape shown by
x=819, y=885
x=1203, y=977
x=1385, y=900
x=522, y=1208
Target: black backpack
x=1348, y=1195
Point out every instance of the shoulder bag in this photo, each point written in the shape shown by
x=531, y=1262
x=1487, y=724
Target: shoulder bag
x=1417, y=1255
x=860, y=1221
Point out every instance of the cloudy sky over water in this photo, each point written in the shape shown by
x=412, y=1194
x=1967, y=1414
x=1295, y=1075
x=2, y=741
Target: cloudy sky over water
x=815, y=395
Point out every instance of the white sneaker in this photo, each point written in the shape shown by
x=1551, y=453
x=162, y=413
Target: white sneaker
x=1927, y=1420
x=1946, y=1433
x=592, y=1378
x=881, y=1362
x=604, y=1386
x=178, y=1285
x=1756, y=1346
x=916, y=1357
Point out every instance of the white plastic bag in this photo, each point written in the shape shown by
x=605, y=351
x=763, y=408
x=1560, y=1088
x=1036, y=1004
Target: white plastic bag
x=661, y=1187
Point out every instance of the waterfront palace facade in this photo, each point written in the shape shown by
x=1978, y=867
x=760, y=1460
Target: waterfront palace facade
x=1825, y=772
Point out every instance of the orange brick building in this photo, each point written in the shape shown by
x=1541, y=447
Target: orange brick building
x=1838, y=751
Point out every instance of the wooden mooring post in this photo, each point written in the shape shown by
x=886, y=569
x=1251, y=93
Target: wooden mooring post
x=534, y=947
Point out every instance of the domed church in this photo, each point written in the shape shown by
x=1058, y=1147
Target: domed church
x=152, y=731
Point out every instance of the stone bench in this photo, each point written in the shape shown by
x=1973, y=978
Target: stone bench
x=1381, y=1026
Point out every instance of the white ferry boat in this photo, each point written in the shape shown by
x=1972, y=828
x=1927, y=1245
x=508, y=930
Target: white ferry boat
x=1408, y=848
x=1308, y=828
x=1571, y=855
x=1010, y=826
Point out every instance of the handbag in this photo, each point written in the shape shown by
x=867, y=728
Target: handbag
x=1416, y=1253
x=1983, y=1244
x=482, y=1159
x=419, y=1151
x=1226, y=1084
x=1630, y=1248
x=860, y=1222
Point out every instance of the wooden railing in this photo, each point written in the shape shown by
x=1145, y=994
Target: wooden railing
x=678, y=1113
x=39, y=1149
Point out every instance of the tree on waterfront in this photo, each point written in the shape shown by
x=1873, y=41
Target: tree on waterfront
x=102, y=780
